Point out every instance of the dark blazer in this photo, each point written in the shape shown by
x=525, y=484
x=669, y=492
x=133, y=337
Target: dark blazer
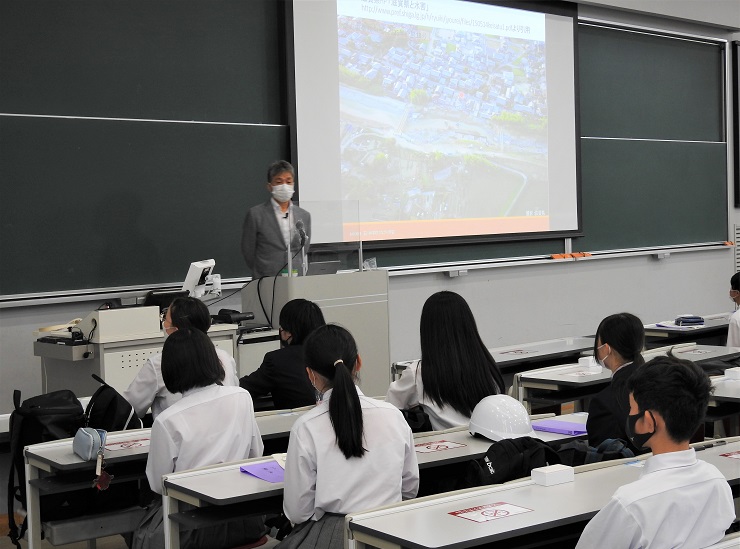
x=263, y=246
x=283, y=374
x=608, y=411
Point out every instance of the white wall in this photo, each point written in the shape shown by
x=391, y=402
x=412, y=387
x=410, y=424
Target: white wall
x=537, y=302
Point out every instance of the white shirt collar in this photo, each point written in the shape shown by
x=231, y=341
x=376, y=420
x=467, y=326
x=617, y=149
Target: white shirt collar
x=277, y=208
x=669, y=460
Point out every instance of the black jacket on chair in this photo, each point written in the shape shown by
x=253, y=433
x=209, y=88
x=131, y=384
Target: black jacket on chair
x=608, y=411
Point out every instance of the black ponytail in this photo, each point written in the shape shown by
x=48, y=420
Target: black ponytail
x=331, y=352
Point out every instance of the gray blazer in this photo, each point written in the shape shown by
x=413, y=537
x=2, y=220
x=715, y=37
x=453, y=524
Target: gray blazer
x=263, y=246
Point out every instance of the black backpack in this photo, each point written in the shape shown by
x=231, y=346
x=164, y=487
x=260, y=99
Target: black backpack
x=417, y=419
x=509, y=459
x=578, y=452
x=41, y=418
x=108, y=410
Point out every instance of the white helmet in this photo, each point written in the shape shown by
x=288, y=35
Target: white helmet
x=500, y=416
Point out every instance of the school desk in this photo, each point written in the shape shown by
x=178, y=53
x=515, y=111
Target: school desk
x=712, y=332
x=525, y=509
x=574, y=382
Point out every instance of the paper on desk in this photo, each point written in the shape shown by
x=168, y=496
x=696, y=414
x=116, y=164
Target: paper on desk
x=492, y=511
x=437, y=446
x=267, y=470
x=580, y=373
x=671, y=324
x=127, y=444
x=280, y=458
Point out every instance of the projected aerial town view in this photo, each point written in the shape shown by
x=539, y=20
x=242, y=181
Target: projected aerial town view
x=442, y=124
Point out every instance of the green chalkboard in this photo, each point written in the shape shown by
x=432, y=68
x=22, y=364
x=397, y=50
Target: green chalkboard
x=653, y=152
x=119, y=187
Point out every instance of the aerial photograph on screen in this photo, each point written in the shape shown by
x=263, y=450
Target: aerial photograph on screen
x=443, y=119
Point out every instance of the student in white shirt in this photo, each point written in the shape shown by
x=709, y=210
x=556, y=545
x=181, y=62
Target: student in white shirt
x=211, y=424
x=733, y=330
x=678, y=501
x=349, y=453
x=148, y=390
x=456, y=370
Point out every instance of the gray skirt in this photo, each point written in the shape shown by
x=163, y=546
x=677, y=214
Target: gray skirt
x=327, y=533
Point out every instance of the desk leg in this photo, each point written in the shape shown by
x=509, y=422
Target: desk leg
x=523, y=395
x=33, y=508
x=366, y=541
x=171, y=528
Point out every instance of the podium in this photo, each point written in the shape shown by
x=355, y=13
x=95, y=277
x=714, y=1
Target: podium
x=357, y=301
x=120, y=342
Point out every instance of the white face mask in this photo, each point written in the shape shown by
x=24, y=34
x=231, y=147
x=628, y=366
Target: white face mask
x=282, y=193
x=601, y=360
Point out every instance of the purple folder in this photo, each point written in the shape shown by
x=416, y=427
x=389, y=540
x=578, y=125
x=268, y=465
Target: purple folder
x=561, y=427
x=266, y=470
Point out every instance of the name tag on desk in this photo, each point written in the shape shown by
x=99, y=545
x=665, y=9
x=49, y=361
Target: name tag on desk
x=492, y=511
x=437, y=446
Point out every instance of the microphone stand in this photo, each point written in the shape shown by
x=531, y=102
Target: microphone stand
x=290, y=238
x=303, y=256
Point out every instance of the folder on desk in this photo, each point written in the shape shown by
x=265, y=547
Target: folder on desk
x=560, y=427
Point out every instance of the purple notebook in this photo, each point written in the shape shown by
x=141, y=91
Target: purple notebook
x=561, y=427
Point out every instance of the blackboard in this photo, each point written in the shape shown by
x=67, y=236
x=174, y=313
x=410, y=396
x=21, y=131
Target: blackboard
x=653, y=152
x=131, y=198
x=119, y=187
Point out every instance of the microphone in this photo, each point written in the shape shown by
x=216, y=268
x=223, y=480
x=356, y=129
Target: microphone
x=301, y=231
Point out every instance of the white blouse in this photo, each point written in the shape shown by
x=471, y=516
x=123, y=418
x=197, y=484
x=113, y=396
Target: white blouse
x=319, y=479
x=408, y=391
x=209, y=425
x=147, y=390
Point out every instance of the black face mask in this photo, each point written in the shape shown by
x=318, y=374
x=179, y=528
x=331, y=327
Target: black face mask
x=638, y=439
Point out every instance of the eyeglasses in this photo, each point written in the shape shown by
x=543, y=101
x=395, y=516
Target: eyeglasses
x=163, y=315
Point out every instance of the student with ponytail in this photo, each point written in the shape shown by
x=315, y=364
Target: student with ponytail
x=349, y=453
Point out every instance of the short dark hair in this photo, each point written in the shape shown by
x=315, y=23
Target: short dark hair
x=189, y=360
x=457, y=369
x=331, y=351
x=279, y=167
x=624, y=333
x=735, y=282
x=300, y=317
x=677, y=389
x=190, y=312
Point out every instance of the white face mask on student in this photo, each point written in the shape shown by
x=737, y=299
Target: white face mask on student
x=600, y=361
x=282, y=193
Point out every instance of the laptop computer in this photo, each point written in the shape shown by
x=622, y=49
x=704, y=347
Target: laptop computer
x=323, y=267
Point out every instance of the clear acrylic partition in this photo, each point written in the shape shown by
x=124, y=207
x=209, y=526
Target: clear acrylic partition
x=335, y=235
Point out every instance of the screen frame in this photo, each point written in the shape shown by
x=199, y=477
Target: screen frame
x=565, y=9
